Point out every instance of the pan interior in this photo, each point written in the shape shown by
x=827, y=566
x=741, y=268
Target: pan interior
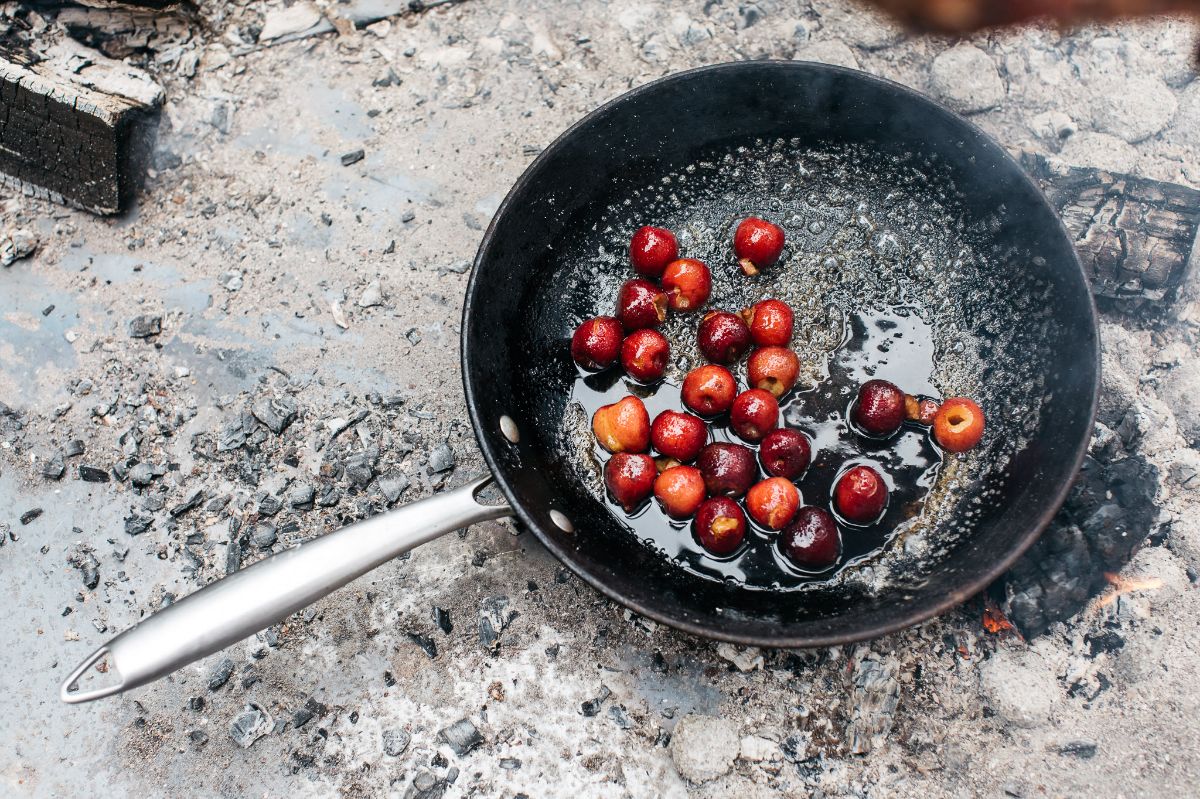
x=889, y=227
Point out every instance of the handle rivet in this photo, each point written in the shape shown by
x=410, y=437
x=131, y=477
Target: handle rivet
x=509, y=428
x=561, y=522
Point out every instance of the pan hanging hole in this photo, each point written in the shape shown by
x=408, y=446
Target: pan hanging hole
x=561, y=522
x=509, y=429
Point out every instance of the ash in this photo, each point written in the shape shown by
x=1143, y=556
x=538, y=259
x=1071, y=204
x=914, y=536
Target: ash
x=266, y=349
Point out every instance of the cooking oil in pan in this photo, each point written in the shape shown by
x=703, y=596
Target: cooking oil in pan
x=887, y=278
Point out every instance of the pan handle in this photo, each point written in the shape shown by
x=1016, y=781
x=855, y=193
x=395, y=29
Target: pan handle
x=252, y=599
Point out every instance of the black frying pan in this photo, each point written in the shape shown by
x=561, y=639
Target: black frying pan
x=893, y=205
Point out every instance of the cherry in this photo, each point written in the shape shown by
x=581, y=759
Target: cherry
x=720, y=525
x=773, y=369
x=651, y=249
x=678, y=435
x=640, y=304
x=630, y=479
x=728, y=469
x=680, y=490
x=773, y=502
x=709, y=390
x=597, y=342
x=958, y=425
x=754, y=414
x=921, y=410
x=785, y=453
x=623, y=426
x=812, y=540
x=860, y=495
x=771, y=323
x=723, y=337
x=687, y=283
x=879, y=409
x=757, y=244
x=644, y=355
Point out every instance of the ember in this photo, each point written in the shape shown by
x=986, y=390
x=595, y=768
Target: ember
x=1119, y=585
x=994, y=620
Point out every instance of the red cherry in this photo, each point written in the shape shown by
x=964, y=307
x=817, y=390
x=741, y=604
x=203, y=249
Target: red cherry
x=860, y=495
x=623, y=426
x=723, y=337
x=812, y=540
x=958, y=425
x=785, y=453
x=771, y=323
x=879, y=409
x=754, y=414
x=641, y=304
x=651, y=249
x=687, y=283
x=773, y=369
x=720, y=525
x=757, y=244
x=630, y=479
x=644, y=355
x=773, y=502
x=728, y=469
x=680, y=489
x=709, y=390
x=678, y=435
x=597, y=342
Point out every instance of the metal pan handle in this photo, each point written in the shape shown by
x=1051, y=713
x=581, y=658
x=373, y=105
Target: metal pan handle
x=254, y=598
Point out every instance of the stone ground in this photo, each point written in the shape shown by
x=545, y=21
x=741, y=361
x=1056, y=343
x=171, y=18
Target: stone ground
x=277, y=271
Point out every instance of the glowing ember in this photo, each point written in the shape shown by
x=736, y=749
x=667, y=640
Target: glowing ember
x=1119, y=585
x=994, y=620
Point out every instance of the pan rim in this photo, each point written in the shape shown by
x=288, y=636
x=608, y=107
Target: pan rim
x=901, y=621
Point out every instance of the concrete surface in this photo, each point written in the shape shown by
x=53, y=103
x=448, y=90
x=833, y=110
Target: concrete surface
x=277, y=271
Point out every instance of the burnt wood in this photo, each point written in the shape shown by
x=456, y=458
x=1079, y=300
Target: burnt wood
x=75, y=127
x=1135, y=236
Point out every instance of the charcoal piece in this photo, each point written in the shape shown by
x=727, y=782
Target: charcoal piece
x=136, y=524
x=619, y=715
x=31, y=514
x=144, y=326
x=77, y=127
x=360, y=468
x=264, y=535
x=269, y=505
x=442, y=619
x=220, y=674
x=276, y=413
x=462, y=736
x=353, y=157
x=141, y=475
x=301, y=496
x=328, y=496
x=427, y=644
x=494, y=617
x=441, y=459
x=89, y=568
x=54, y=468
x=392, y=485
x=1105, y=520
x=592, y=706
x=93, y=474
x=72, y=448
x=1134, y=235
x=395, y=742
x=231, y=437
x=1082, y=748
x=193, y=501
x=425, y=786
x=312, y=708
x=250, y=725
x=198, y=737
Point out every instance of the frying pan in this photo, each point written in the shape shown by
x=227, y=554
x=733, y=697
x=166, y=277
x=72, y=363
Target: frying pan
x=692, y=143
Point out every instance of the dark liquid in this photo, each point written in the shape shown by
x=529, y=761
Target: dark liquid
x=888, y=343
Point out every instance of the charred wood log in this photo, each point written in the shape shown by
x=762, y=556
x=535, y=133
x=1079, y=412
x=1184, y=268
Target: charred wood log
x=75, y=127
x=963, y=16
x=1136, y=237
